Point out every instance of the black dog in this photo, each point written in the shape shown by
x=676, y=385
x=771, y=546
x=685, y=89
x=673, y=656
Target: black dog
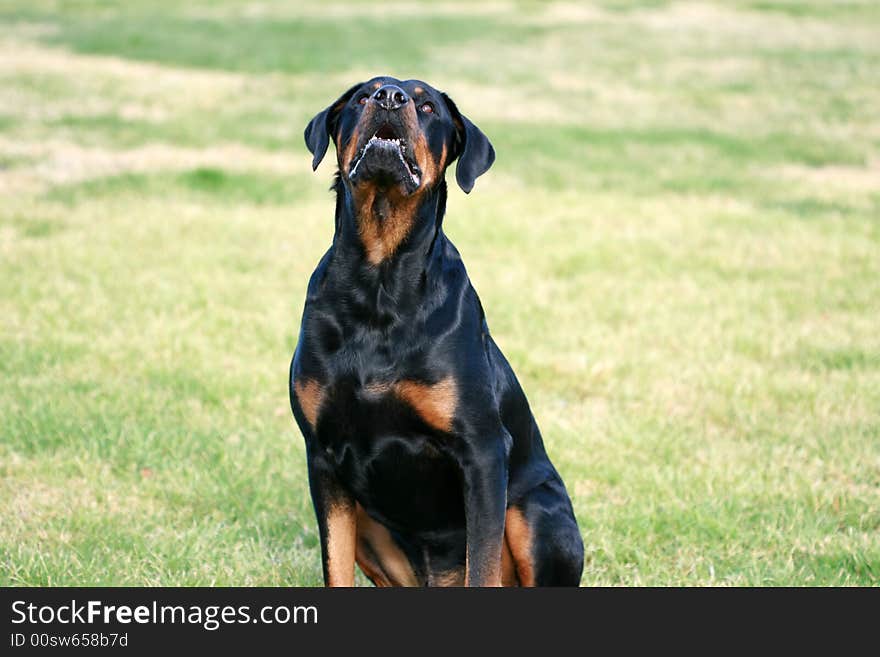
x=426, y=466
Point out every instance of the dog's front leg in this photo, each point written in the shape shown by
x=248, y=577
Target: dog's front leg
x=484, y=470
x=335, y=510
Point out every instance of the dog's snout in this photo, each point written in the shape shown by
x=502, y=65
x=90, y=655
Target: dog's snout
x=390, y=97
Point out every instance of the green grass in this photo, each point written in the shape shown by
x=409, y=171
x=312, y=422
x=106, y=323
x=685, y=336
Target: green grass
x=207, y=185
x=677, y=249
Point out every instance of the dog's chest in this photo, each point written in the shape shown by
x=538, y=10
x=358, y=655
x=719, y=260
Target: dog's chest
x=367, y=388
x=379, y=408
x=348, y=410
x=386, y=441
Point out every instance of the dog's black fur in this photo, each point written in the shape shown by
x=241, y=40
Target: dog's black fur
x=425, y=464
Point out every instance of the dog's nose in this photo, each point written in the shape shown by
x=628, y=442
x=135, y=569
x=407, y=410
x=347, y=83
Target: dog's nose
x=390, y=97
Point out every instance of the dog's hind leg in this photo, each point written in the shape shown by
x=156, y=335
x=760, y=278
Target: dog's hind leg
x=379, y=556
x=543, y=537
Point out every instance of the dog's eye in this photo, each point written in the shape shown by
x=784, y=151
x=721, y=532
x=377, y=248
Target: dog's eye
x=427, y=108
x=362, y=100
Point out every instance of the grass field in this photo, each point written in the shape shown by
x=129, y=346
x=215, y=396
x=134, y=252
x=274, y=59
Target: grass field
x=678, y=249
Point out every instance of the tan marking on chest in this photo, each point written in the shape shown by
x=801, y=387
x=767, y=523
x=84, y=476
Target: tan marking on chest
x=435, y=403
x=310, y=395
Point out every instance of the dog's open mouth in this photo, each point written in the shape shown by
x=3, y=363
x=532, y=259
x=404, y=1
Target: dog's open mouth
x=386, y=158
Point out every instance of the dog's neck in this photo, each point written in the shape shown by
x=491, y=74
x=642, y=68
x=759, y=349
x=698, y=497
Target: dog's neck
x=385, y=262
x=390, y=232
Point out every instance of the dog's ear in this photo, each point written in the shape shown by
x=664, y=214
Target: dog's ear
x=475, y=153
x=320, y=128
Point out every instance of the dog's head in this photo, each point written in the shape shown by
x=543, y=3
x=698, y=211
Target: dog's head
x=399, y=136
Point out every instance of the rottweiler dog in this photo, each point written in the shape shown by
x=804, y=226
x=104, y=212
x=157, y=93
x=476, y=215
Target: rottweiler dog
x=426, y=466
